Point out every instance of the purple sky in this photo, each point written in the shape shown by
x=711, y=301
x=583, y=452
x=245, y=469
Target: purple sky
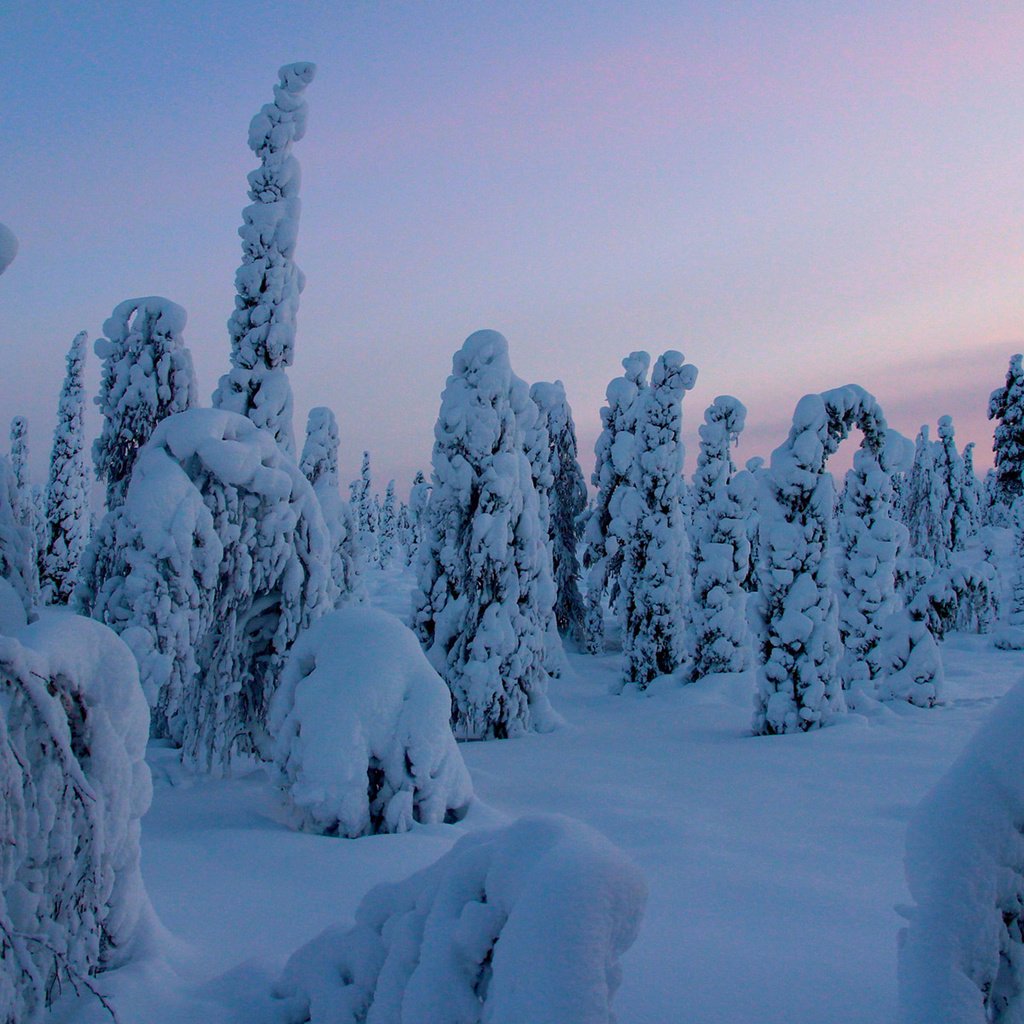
x=796, y=195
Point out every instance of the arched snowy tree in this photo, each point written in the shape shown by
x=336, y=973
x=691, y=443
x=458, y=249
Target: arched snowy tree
x=1006, y=404
x=798, y=643
x=268, y=283
x=567, y=502
x=67, y=488
x=319, y=465
x=147, y=376
x=648, y=521
x=719, y=637
x=603, y=554
x=483, y=587
x=218, y=557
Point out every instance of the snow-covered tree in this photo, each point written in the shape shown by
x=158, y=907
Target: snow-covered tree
x=28, y=509
x=319, y=465
x=647, y=519
x=924, y=502
x=215, y=562
x=719, y=637
x=388, y=529
x=74, y=784
x=524, y=924
x=147, y=376
x=567, y=502
x=483, y=587
x=67, y=488
x=1006, y=404
x=268, y=283
x=362, y=735
x=973, y=499
x=949, y=480
x=17, y=544
x=798, y=687
x=419, y=499
x=366, y=513
x=603, y=554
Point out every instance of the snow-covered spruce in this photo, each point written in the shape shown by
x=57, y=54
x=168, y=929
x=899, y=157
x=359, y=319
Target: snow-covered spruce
x=1009, y=635
x=647, y=520
x=147, y=376
x=870, y=541
x=603, y=554
x=419, y=499
x=923, y=506
x=268, y=283
x=388, y=529
x=17, y=544
x=949, y=466
x=1006, y=404
x=971, y=494
x=67, y=488
x=797, y=617
x=362, y=734
x=483, y=588
x=365, y=513
x=567, y=502
x=959, y=597
x=319, y=465
x=74, y=783
x=961, y=956
x=907, y=661
x=523, y=923
x=218, y=557
x=719, y=637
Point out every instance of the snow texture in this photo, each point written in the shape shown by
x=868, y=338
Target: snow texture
x=362, y=734
x=961, y=958
x=268, y=283
x=484, y=590
x=75, y=783
x=217, y=559
x=8, y=247
x=525, y=923
x=147, y=376
x=67, y=488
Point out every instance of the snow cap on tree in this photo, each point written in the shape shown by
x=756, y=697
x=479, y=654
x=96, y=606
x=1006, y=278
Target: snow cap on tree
x=147, y=375
x=268, y=283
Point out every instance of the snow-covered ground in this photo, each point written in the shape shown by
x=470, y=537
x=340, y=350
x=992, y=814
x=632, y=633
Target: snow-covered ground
x=774, y=863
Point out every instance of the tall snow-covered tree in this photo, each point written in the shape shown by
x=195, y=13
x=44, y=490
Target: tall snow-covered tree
x=67, y=488
x=17, y=545
x=923, y=503
x=419, y=499
x=567, y=502
x=798, y=687
x=366, y=513
x=483, y=586
x=388, y=529
x=1006, y=404
x=719, y=637
x=603, y=554
x=268, y=283
x=973, y=500
x=319, y=465
x=949, y=479
x=647, y=515
x=147, y=375
x=29, y=511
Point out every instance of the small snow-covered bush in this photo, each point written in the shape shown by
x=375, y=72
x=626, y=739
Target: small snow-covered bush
x=962, y=956
x=958, y=597
x=363, y=741
x=73, y=785
x=520, y=924
x=908, y=661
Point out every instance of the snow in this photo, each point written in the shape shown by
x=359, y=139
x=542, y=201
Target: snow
x=358, y=696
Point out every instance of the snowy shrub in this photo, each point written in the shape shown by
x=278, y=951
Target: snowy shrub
x=960, y=598
x=484, y=589
x=268, y=283
x=961, y=956
x=67, y=488
x=603, y=554
x=797, y=615
x=218, y=557
x=74, y=784
x=362, y=734
x=906, y=662
x=721, y=551
x=519, y=925
x=1006, y=404
x=147, y=376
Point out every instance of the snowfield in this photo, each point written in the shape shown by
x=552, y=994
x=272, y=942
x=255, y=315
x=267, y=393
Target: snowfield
x=774, y=864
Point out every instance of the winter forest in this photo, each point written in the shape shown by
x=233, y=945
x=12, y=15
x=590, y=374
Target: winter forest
x=554, y=736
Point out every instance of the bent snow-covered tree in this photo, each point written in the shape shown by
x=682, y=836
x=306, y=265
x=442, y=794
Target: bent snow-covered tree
x=798, y=686
x=218, y=557
x=147, y=376
x=1006, y=405
x=721, y=552
x=484, y=592
x=647, y=518
x=268, y=283
x=67, y=488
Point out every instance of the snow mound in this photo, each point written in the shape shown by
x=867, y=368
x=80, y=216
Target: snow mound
x=525, y=923
x=8, y=247
x=962, y=955
x=75, y=783
x=362, y=728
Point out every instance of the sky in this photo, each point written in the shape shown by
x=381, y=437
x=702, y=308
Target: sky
x=796, y=195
